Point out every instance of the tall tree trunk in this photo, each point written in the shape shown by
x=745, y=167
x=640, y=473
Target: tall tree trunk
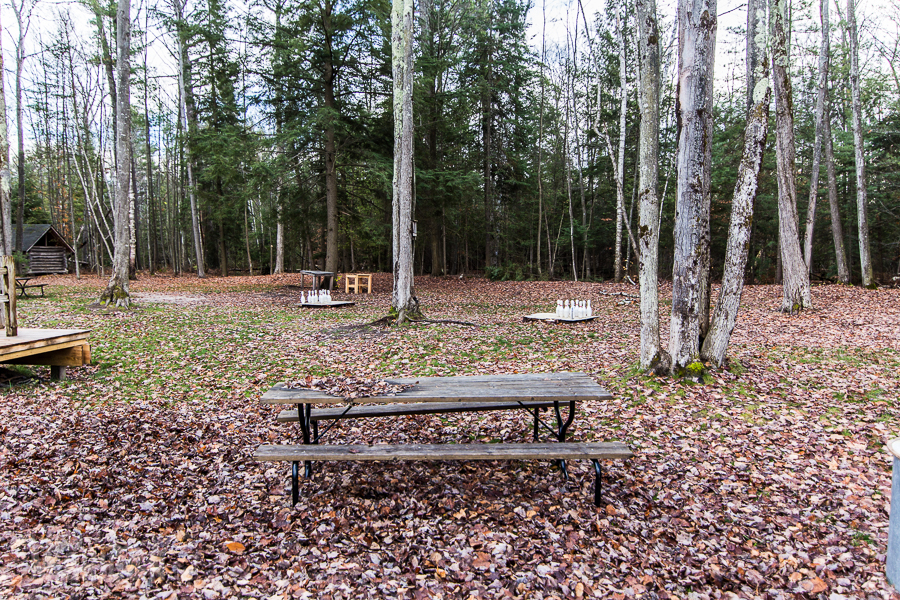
x=795, y=277
x=759, y=91
x=486, y=122
x=865, y=257
x=620, y=160
x=6, y=231
x=24, y=21
x=403, y=299
x=652, y=354
x=540, y=142
x=824, y=57
x=279, y=243
x=331, y=188
x=837, y=230
x=186, y=107
x=696, y=56
x=117, y=289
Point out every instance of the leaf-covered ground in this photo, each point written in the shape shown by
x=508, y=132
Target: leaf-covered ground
x=134, y=479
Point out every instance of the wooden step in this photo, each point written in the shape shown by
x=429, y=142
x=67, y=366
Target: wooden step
x=358, y=452
x=360, y=411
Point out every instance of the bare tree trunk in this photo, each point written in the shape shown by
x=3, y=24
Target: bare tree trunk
x=653, y=356
x=539, y=171
x=824, y=57
x=279, y=243
x=568, y=159
x=186, y=109
x=795, y=283
x=23, y=19
x=696, y=56
x=117, y=289
x=865, y=257
x=7, y=241
x=403, y=299
x=760, y=91
x=331, y=188
x=620, y=161
x=837, y=230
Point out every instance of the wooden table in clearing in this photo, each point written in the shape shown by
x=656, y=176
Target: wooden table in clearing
x=432, y=395
x=319, y=279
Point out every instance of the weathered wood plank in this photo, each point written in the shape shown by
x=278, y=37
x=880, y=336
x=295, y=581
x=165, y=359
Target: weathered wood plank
x=290, y=415
x=74, y=356
x=537, y=451
x=562, y=387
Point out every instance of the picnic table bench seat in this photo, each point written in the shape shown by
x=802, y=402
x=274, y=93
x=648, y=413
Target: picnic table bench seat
x=379, y=452
x=432, y=395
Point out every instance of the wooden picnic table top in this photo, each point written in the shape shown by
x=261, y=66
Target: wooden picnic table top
x=318, y=273
x=562, y=387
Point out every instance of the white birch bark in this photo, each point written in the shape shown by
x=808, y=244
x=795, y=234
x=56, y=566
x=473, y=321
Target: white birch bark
x=865, y=257
x=652, y=354
x=824, y=58
x=795, y=279
x=759, y=90
x=620, y=158
x=116, y=291
x=279, y=243
x=696, y=56
x=403, y=299
x=6, y=229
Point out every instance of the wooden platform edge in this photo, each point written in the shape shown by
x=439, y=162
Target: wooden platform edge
x=74, y=356
x=565, y=451
x=20, y=356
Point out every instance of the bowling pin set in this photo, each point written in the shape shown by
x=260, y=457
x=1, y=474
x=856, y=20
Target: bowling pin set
x=316, y=297
x=574, y=309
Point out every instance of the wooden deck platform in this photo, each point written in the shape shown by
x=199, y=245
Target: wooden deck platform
x=58, y=348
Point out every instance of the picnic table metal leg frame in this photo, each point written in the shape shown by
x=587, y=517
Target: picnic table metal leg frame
x=295, y=484
x=562, y=427
x=596, y=481
x=537, y=420
x=304, y=411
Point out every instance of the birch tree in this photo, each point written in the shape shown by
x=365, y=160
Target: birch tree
x=619, y=159
x=694, y=101
x=856, y=109
x=795, y=282
x=403, y=299
x=822, y=92
x=6, y=231
x=652, y=354
x=759, y=91
x=117, y=289
x=22, y=10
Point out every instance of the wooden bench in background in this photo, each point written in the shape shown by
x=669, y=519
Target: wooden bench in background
x=433, y=395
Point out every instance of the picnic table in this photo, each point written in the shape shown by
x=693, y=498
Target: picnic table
x=23, y=286
x=432, y=395
x=320, y=278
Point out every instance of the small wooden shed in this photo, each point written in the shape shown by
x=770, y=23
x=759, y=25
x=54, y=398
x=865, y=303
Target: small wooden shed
x=47, y=250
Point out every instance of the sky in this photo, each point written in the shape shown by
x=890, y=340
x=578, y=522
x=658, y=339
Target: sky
x=560, y=14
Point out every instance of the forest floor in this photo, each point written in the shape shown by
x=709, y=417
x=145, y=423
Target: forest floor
x=134, y=477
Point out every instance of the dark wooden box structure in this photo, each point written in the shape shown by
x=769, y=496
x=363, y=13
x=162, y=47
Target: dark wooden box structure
x=47, y=250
